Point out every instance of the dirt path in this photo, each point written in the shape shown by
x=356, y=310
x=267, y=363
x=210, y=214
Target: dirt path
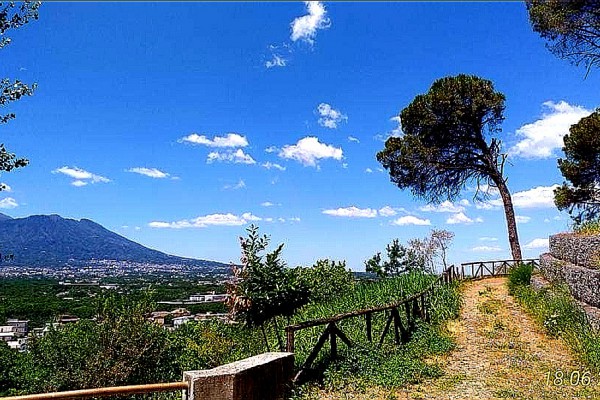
x=500, y=353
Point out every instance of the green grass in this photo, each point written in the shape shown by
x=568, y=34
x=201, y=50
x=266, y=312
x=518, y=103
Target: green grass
x=554, y=309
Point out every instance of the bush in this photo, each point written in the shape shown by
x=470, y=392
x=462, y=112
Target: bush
x=590, y=227
x=519, y=275
x=326, y=280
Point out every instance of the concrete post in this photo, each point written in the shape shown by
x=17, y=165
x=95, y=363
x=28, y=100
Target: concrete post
x=266, y=376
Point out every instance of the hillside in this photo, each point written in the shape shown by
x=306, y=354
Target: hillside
x=50, y=240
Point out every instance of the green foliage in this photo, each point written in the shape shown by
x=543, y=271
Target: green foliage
x=572, y=28
x=554, y=309
x=389, y=366
x=326, y=280
x=519, y=275
x=590, y=227
x=263, y=287
x=445, y=144
x=400, y=260
x=581, y=168
x=11, y=18
x=367, y=295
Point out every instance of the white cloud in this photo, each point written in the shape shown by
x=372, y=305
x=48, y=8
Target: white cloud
x=537, y=197
x=269, y=219
x=267, y=204
x=353, y=139
x=204, y=221
x=540, y=243
x=345, y=165
x=522, y=219
x=236, y=157
x=461, y=218
x=387, y=211
x=545, y=135
x=446, y=206
x=8, y=202
x=81, y=176
x=486, y=249
x=240, y=185
x=276, y=61
x=230, y=140
x=464, y=202
x=250, y=217
x=294, y=219
x=271, y=149
x=151, y=172
x=270, y=165
x=369, y=171
x=305, y=27
x=309, y=151
x=488, y=239
x=330, y=117
x=410, y=220
x=353, y=212
x=5, y=187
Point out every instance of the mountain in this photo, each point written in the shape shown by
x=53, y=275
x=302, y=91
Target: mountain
x=50, y=240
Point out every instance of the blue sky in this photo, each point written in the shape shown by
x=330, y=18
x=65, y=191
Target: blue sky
x=179, y=124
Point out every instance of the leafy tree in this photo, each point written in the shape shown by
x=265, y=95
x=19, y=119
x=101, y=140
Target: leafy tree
x=326, y=279
x=432, y=249
x=581, y=168
x=13, y=90
x=572, y=28
x=263, y=288
x=445, y=145
x=400, y=260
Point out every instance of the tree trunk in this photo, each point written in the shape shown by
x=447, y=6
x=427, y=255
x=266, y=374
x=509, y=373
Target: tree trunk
x=511, y=223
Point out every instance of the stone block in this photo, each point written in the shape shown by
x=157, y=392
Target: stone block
x=266, y=376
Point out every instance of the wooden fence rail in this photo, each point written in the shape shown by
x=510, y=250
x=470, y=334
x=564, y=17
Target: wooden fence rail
x=415, y=307
x=104, y=392
x=482, y=269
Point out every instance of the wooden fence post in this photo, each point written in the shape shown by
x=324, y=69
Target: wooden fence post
x=289, y=346
x=369, y=327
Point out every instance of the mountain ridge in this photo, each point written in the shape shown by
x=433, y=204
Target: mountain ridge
x=52, y=241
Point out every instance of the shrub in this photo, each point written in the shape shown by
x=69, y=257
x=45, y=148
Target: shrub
x=326, y=280
x=519, y=275
x=591, y=227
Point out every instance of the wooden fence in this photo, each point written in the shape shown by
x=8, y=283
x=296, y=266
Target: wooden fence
x=416, y=306
x=483, y=269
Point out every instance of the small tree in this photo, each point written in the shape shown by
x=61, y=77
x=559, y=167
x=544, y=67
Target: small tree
x=572, y=29
x=432, y=249
x=263, y=288
x=445, y=145
x=13, y=90
x=326, y=279
x=400, y=260
x=581, y=168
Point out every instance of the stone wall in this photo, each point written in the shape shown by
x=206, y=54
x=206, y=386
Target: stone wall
x=584, y=283
x=576, y=249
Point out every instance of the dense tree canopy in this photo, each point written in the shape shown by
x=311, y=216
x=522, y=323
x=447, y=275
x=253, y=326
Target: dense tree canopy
x=581, y=168
x=572, y=28
x=12, y=17
x=450, y=140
